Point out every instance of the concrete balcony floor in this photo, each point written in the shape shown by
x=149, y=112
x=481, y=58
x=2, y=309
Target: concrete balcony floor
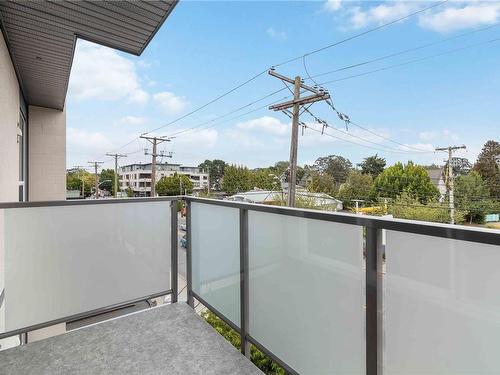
x=169, y=339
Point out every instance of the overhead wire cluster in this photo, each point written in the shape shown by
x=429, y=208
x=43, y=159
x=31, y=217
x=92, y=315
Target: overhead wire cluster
x=402, y=147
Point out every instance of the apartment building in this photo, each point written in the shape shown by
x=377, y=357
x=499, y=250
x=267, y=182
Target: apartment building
x=138, y=176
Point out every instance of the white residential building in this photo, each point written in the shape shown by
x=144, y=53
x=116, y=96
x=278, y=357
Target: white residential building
x=138, y=176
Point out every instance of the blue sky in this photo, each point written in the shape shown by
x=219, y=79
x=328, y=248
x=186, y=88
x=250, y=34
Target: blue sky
x=206, y=48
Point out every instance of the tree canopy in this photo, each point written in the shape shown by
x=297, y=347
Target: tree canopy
x=75, y=179
x=107, y=180
x=488, y=166
x=215, y=169
x=407, y=178
x=357, y=186
x=236, y=179
x=472, y=196
x=321, y=183
x=372, y=165
x=334, y=165
x=172, y=185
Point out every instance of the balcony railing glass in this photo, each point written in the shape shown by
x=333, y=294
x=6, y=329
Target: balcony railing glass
x=318, y=292
x=69, y=258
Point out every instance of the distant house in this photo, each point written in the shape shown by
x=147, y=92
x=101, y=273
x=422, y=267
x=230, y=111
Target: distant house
x=437, y=178
x=321, y=200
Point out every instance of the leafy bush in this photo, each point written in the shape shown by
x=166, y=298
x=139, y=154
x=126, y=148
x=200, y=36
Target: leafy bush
x=406, y=207
x=259, y=359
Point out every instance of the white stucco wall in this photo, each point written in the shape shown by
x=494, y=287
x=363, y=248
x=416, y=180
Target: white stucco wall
x=9, y=117
x=9, y=157
x=47, y=154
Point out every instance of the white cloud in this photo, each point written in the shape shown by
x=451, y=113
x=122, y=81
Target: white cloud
x=444, y=134
x=170, y=102
x=132, y=120
x=453, y=18
x=333, y=5
x=265, y=124
x=447, y=18
x=427, y=135
x=278, y=35
x=417, y=147
x=138, y=96
x=379, y=14
x=89, y=141
x=102, y=73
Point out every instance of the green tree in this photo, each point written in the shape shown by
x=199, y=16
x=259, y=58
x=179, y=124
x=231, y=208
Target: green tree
x=281, y=168
x=75, y=179
x=263, y=178
x=357, y=186
x=488, y=166
x=107, y=180
x=336, y=166
x=264, y=363
x=215, y=169
x=407, y=207
x=236, y=179
x=172, y=185
x=321, y=183
x=472, y=196
x=411, y=179
x=372, y=165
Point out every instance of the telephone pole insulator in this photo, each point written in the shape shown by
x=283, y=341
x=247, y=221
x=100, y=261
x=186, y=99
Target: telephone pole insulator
x=96, y=164
x=295, y=104
x=449, y=185
x=154, y=141
x=116, y=156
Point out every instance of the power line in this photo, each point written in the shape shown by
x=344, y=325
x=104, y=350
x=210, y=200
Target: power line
x=233, y=111
x=410, y=61
x=363, y=74
x=326, y=125
x=398, y=53
x=286, y=62
x=361, y=34
x=208, y=103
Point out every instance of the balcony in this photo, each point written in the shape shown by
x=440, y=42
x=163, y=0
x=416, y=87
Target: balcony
x=318, y=292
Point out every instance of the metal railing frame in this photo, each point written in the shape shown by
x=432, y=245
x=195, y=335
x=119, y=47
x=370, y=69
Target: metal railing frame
x=373, y=227
x=374, y=252
x=22, y=332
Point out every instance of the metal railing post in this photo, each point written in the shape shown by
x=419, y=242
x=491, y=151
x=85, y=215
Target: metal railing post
x=244, y=279
x=373, y=301
x=174, y=230
x=23, y=338
x=189, y=258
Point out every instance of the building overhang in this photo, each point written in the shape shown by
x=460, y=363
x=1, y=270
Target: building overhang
x=41, y=37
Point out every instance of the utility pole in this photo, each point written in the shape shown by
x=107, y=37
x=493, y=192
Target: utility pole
x=449, y=185
x=296, y=103
x=116, y=156
x=155, y=141
x=96, y=164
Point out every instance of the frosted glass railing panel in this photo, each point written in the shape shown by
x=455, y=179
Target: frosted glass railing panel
x=442, y=303
x=65, y=260
x=216, y=257
x=306, y=292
